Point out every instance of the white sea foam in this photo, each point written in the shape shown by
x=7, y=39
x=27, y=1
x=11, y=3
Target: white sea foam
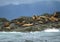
x=9, y=32
x=51, y=30
x=46, y=30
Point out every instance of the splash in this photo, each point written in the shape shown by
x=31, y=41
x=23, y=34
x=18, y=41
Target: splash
x=51, y=30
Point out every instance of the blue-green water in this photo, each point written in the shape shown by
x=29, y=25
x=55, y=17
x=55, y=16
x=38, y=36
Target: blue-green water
x=29, y=36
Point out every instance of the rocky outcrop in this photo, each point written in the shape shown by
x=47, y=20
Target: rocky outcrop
x=31, y=23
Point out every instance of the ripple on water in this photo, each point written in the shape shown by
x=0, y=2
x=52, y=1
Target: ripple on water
x=30, y=36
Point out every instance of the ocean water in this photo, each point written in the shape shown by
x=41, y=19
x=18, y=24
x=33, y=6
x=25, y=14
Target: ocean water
x=38, y=36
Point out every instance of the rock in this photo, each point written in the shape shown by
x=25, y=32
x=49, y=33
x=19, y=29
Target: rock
x=12, y=26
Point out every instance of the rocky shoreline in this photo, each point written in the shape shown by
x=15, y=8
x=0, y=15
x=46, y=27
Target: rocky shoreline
x=34, y=23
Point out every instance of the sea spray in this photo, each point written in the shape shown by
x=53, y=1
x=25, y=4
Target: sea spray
x=52, y=30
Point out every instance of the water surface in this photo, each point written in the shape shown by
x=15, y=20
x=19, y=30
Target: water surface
x=38, y=36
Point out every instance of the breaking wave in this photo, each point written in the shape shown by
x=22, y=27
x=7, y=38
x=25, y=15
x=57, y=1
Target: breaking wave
x=52, y=30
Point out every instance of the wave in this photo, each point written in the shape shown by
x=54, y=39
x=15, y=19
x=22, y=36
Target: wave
x=46, y=30
x=20, y=32
x=52, y=30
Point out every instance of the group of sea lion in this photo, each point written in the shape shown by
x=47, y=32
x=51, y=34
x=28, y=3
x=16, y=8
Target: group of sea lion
x=41, y=19
x=54, y=18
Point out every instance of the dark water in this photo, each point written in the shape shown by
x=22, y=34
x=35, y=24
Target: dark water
x=30, y=37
